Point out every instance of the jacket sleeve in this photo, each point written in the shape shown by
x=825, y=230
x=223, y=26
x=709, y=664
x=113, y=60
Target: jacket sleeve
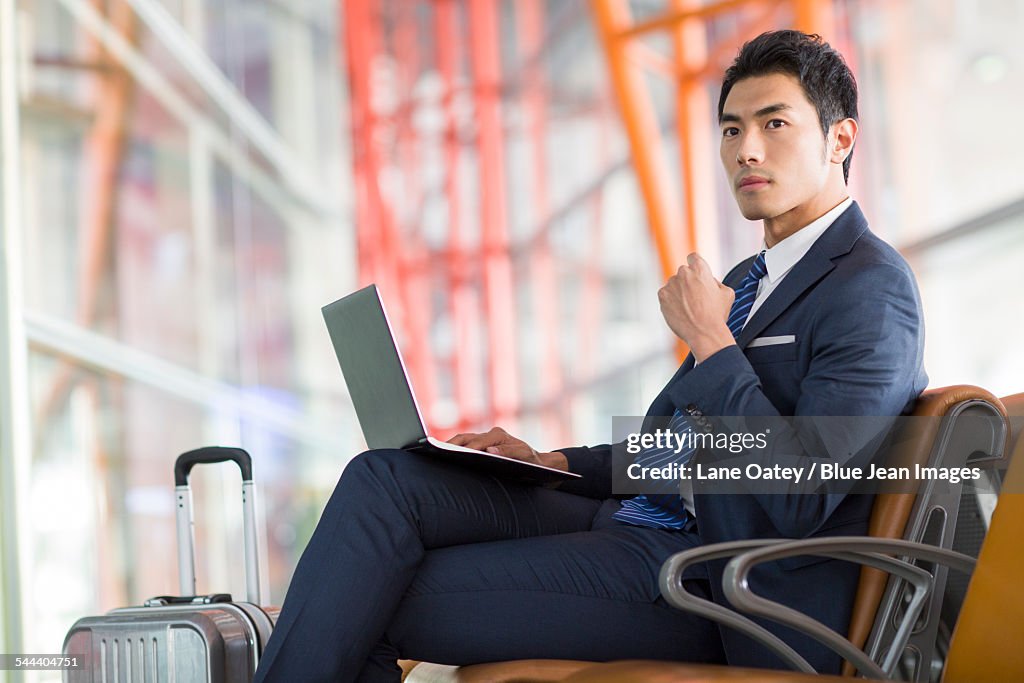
x=594, y=464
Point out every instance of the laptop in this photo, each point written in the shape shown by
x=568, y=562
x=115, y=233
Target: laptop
x=383, y=397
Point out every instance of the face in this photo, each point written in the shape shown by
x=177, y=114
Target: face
x=776, y=158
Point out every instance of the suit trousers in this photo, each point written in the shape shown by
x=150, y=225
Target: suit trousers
x=417, y=558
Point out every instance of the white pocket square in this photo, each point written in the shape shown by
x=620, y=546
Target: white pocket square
x=771, y=341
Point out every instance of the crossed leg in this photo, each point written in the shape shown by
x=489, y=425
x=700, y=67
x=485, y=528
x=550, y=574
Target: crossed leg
x=417, y=558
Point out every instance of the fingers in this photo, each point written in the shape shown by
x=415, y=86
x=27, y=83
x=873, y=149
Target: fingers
x=663, y=294
x=695, y=265
x=472, y=440
x=694, y=268
x=699, y=265
x=518, y=451
x=480, y=442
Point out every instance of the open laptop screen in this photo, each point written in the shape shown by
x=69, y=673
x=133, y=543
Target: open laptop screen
x=373, y=369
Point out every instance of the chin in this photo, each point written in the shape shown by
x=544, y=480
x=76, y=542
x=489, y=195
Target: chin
x=753, y=210
x=759, y=208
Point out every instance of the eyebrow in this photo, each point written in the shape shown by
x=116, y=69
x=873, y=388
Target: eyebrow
x=763, y=111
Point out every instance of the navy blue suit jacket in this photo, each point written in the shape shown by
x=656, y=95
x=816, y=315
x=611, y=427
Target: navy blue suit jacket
x=853, y=306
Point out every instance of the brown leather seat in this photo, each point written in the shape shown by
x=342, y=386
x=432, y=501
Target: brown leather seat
x=889, y=520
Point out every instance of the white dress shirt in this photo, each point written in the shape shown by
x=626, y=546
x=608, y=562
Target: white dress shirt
x=781, y=258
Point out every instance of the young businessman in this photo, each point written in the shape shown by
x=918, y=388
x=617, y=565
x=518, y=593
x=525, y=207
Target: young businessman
x=416, y=558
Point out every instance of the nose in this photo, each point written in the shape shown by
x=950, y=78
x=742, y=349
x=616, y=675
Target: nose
x=750, y=150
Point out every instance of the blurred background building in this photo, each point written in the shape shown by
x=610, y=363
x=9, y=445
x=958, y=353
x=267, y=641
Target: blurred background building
x=184, y=183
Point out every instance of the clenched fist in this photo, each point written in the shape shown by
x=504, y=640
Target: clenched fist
x=696, y=307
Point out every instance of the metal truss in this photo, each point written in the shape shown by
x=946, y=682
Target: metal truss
x=682, y=210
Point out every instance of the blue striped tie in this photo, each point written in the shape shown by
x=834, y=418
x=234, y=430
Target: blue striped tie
x=664, y=510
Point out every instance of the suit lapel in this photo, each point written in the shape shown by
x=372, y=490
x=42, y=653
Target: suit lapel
x=836, y=241
x=810, y=269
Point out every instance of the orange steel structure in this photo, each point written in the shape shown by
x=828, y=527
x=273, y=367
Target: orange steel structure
x=681, y=213
x=473, y=271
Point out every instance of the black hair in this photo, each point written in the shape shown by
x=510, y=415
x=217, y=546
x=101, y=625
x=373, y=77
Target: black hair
x=823, y=74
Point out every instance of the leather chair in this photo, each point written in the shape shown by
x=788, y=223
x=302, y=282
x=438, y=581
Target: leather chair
x=897, y=515
x=928, y=516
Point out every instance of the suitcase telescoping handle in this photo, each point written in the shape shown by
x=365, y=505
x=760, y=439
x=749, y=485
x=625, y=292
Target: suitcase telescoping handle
x=186, y=541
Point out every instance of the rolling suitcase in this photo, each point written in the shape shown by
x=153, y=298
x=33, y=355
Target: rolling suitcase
x=186, y=639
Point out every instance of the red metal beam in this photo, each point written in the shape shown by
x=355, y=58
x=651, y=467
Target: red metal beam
x=380, y=247
x=414, y=283
x=500, y=313
x=361, y=44
x=544, y=285
x=461, y=305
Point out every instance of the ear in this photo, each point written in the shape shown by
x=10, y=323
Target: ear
x=844, y=134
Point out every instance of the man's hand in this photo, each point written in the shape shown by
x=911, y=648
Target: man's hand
x=696, y=307
x=500, y=442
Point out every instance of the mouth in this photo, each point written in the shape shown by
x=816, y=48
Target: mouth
x=752, y=184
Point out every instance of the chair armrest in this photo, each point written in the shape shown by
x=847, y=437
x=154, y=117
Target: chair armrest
x=864, y=550
x=671, y=581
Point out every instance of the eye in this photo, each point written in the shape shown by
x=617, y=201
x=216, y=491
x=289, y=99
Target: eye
x=729, y=132
x=776, y=121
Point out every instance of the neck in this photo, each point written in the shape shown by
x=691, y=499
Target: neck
x=799, y=217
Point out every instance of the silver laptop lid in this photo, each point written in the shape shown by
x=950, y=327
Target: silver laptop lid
x=373, y=370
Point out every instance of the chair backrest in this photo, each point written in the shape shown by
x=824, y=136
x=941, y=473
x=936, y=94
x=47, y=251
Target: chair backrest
x=907, y=515
x=988, y=640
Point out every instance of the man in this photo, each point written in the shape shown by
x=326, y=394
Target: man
x=420, y=559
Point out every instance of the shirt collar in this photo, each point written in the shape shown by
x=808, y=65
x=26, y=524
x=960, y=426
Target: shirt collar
x=781, y=258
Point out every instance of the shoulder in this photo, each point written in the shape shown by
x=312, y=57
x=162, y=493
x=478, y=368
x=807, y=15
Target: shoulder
x=872, y=266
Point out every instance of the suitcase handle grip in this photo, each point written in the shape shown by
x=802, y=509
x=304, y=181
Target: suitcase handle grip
x=183, y=513
x=211, y=454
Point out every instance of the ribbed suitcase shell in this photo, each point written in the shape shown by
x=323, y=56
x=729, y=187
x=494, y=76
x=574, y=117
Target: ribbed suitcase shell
x=217, y=642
